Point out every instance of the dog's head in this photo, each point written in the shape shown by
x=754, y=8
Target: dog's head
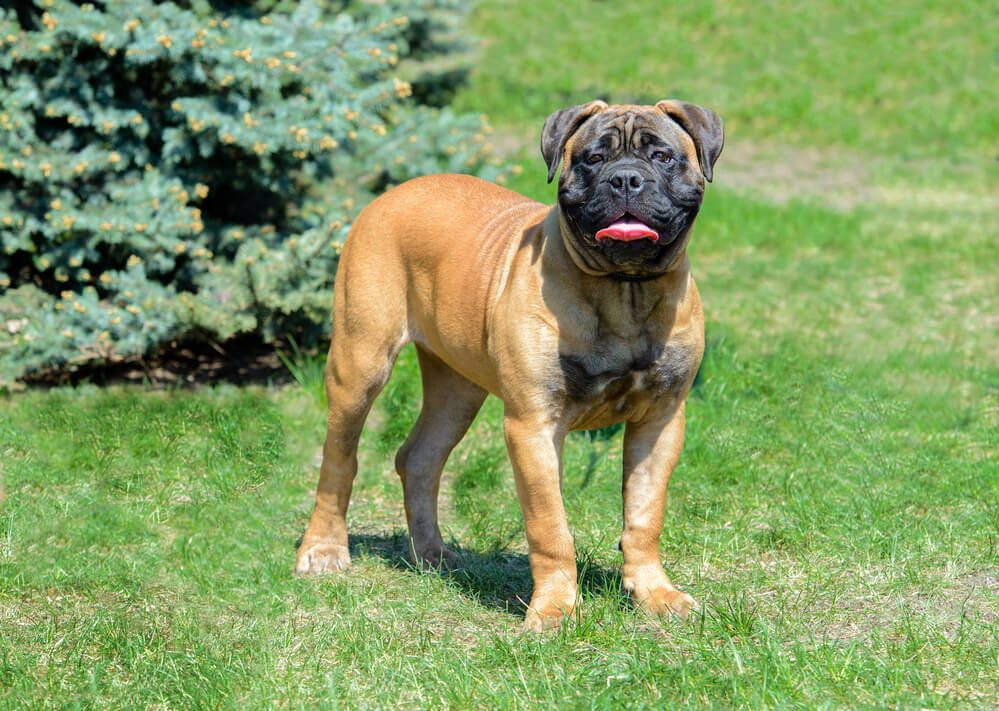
x=633, y=181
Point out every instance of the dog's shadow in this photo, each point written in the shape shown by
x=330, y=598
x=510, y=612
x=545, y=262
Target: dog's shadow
x=497, y=579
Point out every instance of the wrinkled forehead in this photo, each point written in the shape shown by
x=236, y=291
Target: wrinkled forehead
x=631, y=128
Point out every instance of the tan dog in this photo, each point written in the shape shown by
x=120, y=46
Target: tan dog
x=577, y=316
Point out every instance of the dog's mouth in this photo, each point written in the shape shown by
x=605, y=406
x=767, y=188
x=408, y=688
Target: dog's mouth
x=627, y=228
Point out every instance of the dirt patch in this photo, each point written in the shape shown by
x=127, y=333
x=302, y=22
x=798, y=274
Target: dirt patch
x=779, y=173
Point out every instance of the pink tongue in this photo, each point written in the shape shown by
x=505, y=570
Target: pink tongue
x=627, y=231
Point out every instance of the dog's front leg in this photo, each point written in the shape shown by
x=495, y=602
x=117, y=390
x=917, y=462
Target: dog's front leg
x=535, y=447
x=651, y=451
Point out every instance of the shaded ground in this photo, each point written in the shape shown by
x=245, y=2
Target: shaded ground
x=241, y=361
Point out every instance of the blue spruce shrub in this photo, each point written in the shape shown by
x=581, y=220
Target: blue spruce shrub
x=168, y=171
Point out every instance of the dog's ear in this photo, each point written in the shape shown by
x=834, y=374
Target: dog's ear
x=703, y=125
x=559, y=128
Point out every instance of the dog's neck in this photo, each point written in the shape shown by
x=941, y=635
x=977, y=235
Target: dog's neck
x=638, y=294
x=557, y=231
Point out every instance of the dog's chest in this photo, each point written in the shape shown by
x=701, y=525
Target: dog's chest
x=613, y=382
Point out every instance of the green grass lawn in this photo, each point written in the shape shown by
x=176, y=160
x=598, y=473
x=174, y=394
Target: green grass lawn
x=836, y=507
x=903, y=83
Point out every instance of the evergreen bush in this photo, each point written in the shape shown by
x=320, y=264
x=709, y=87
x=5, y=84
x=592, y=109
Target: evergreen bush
x=173, y=170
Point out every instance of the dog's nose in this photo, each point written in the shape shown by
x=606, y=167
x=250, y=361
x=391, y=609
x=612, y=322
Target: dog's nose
x=627, y=181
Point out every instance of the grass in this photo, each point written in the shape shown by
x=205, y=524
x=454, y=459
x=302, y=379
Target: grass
x=149, y=539
x=902, y=83
x=835, y=508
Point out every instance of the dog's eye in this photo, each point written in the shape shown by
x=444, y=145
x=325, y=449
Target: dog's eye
x=594, y=159
x=662, y=156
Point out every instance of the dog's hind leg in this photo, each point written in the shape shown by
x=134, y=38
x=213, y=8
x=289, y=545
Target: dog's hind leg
x=369, y=330
x=351, y=386
x=450, y=403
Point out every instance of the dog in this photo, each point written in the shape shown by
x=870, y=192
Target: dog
x=577, y=316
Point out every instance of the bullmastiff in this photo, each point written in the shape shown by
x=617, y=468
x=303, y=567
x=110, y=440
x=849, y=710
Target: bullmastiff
x=577, y=316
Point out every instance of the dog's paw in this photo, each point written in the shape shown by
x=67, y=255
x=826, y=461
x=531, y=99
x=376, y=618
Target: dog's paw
x=662, y=602
x=545, y=614
x=443, y=560
x=321, y=558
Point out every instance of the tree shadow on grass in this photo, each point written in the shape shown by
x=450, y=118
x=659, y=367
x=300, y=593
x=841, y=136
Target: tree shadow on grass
x=497, y=579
